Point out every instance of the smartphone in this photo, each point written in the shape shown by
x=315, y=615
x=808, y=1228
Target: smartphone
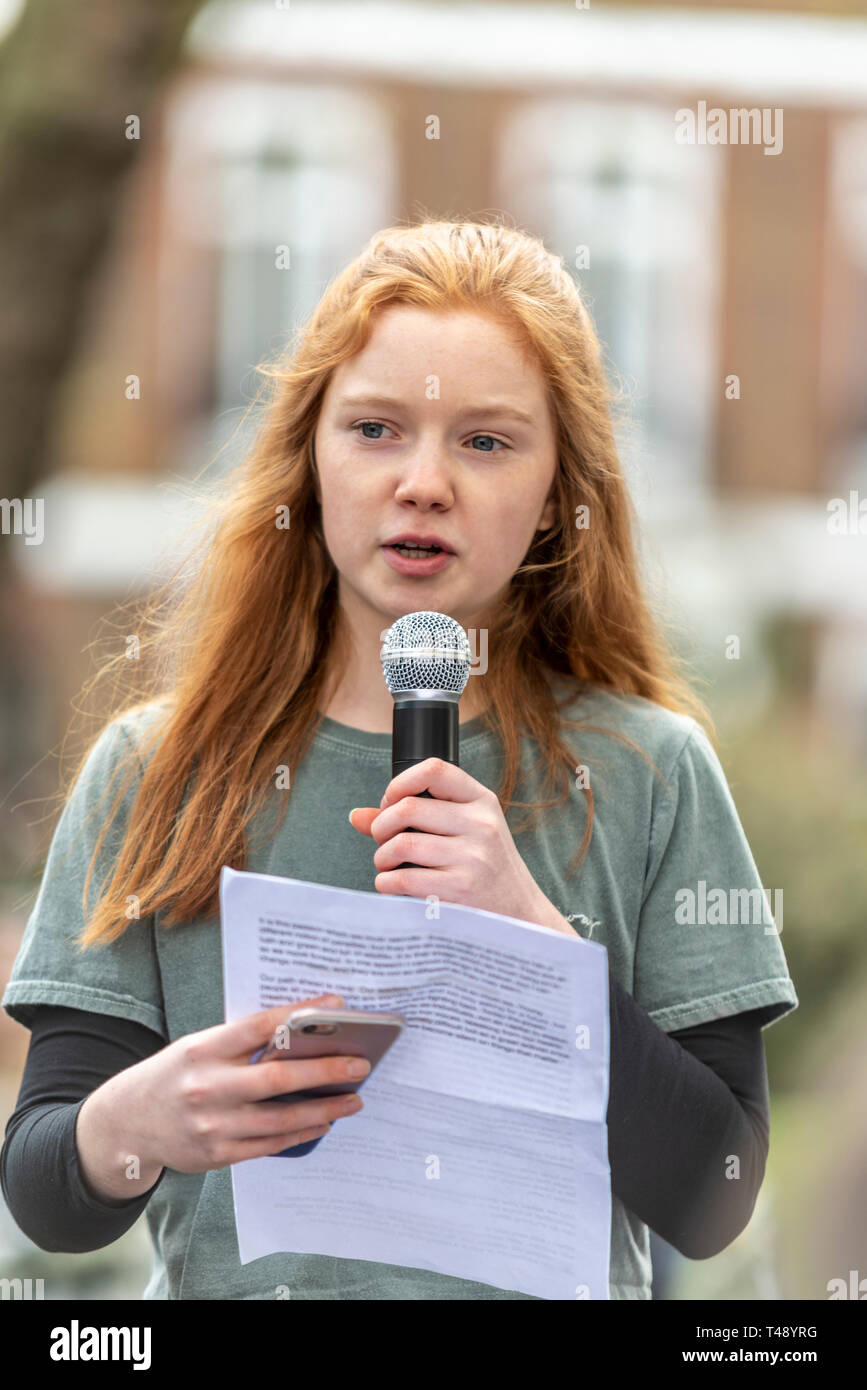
x=320, y=1032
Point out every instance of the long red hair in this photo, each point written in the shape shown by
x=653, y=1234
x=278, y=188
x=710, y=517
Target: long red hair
x=237, y=647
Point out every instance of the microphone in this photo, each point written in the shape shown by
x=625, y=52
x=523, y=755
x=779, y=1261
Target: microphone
x=426, y=664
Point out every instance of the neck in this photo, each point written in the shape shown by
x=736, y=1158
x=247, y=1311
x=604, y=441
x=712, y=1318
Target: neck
x=375, y=717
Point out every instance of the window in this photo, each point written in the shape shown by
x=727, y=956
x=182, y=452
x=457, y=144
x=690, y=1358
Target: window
x=255, y=165
x=608, y=175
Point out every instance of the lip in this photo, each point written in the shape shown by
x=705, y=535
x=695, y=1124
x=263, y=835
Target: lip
x=419, y=568
x=410, y=537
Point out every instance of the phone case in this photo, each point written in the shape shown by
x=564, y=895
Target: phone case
x=351, y=1033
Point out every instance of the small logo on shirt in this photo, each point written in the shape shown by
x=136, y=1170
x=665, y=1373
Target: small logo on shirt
x=585, y=921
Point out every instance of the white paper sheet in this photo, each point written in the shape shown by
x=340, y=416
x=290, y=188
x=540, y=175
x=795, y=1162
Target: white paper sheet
x=482, y=1148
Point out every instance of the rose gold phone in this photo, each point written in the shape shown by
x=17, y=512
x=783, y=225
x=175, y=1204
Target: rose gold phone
x=320, y=1032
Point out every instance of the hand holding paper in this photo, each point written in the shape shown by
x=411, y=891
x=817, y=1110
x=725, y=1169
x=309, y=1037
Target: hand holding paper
x=482, y=1148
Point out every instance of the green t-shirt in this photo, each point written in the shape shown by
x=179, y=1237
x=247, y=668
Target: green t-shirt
x=647, y=891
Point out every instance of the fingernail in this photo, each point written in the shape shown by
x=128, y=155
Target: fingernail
x=355, y=808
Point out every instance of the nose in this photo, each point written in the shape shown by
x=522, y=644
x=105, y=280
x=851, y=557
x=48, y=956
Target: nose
x=426, y=479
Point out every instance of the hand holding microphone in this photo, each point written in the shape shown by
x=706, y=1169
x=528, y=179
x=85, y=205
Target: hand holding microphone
x=452, y=826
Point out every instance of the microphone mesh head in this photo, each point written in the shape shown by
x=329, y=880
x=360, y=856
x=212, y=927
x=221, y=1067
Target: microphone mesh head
x=425, y=651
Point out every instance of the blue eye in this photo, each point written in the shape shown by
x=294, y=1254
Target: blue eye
x=362, y=425
x=493, y=441
x=377, y=425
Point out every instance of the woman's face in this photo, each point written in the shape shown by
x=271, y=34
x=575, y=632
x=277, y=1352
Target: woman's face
x=418, y=433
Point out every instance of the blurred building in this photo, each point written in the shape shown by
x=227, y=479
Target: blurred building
x=729, y=287
x=728, y=282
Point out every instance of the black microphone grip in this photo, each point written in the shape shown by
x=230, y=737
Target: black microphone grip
x=423, y=729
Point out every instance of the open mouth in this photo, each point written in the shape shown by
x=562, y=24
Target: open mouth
x=420, y=561
x=417, y=552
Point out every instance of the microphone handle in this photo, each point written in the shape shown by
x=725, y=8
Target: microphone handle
x=423, y=729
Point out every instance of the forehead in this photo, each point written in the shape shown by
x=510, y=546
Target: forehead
x=462, y=347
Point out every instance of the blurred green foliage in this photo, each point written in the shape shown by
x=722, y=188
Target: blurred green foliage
x=801, y=793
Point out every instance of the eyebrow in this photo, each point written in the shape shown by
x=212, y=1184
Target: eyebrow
x=489, y=408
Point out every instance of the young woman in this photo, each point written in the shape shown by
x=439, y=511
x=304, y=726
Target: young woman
x=447, y=390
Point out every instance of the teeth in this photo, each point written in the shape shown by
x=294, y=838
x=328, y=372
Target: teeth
x=418, y=549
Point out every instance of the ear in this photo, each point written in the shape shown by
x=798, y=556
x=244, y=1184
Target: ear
x=548, y=517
